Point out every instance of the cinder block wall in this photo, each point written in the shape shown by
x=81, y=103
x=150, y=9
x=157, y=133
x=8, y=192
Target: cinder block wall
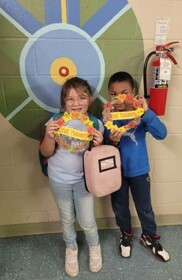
x=26, y=203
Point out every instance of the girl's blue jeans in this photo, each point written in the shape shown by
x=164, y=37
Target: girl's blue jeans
x=140, y=190
x=74, y=202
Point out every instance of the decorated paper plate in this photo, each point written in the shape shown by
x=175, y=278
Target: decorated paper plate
x=75, y=131
x=135, y=114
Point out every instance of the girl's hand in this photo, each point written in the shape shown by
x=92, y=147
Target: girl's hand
x=115, y=137
x=50, y=128
x=98, y=137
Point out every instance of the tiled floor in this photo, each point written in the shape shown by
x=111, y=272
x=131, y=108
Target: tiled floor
x=41, y=257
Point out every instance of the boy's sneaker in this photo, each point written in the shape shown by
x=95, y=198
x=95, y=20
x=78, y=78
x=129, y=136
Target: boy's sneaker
x=152, y=243
x=71, y=263
x=125, y=246
x=95, y=262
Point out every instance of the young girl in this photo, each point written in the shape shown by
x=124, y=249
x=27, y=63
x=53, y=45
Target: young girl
x=65, y=172
x=135, y=165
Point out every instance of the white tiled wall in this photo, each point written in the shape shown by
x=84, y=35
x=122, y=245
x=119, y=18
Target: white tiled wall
x=24, y=193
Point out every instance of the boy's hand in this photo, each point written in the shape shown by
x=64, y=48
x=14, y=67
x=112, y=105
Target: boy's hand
x=115, y=136
x=144, y=102
x=98, y=137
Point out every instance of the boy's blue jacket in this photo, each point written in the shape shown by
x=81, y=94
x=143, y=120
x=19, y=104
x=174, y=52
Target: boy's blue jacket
x=132, y=146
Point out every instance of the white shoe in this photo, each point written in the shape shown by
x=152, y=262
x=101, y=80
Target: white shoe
x=95, y=263
x=71, y=262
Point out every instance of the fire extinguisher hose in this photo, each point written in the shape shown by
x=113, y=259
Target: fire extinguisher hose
x=145, y=73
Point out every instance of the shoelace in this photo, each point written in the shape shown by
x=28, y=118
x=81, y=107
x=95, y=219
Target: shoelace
x=94, y=251
x=126, y=240
x=71, y=255
x=156, y=244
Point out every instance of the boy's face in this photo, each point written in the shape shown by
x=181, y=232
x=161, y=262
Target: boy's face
x=77, y=102
x=117, y=88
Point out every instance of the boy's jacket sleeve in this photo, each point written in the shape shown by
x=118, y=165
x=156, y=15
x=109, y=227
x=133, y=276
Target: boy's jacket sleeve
x=153, y=125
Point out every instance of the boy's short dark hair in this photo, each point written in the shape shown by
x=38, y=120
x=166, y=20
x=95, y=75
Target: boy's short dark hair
x=121, y=77
x=76, y=83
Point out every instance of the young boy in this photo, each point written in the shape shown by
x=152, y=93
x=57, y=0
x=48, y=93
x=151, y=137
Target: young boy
x=135, y=164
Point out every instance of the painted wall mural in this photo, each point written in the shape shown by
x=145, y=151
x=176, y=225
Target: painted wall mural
x=46, y=42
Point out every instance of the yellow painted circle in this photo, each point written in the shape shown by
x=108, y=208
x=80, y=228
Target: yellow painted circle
x=62, y=69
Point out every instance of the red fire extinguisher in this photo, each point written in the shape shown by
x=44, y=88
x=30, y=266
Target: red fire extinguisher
x=161, y=72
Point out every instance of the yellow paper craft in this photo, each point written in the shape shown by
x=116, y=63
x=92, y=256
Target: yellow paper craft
x=135, y=115
x=84, y=137
x=71, y=132
x=127, y=114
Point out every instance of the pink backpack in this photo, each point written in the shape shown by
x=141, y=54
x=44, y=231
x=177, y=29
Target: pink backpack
x=102, y=168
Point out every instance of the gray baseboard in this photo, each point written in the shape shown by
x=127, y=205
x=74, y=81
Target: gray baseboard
x=103, y=223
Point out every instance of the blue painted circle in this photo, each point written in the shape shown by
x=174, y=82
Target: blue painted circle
x=48, y=44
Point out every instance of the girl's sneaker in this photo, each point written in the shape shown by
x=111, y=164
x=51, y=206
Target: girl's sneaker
x=125, y=246
x=71, y=263
x=153, y=245
x=95, y=262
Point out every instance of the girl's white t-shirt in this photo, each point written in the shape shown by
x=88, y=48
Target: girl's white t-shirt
x=66, y=167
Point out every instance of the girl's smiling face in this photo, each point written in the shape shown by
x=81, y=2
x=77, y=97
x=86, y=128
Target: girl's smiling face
x=117, y=88
x=77, y=100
